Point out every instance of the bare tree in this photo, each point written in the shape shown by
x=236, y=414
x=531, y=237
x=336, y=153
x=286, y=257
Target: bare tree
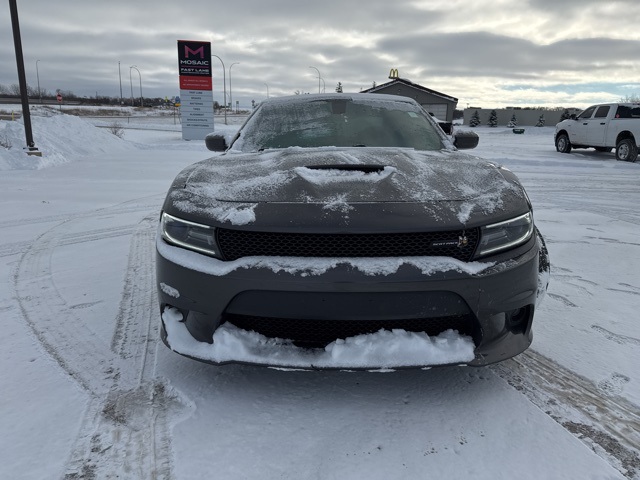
x=630, y=98
x=116, y=129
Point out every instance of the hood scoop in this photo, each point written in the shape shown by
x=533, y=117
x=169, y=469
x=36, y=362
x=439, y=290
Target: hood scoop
x=360, y=173
x=363, y=168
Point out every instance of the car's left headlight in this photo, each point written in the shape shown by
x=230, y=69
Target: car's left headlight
x=504, y=235
x=190, y=235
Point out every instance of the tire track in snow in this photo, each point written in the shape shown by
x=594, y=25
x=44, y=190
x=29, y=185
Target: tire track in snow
x=70, y=239
x=15, y=248
x=127, y=434
x=142, y=204
x=124, y=431
x=609, y=425
x=61, y=331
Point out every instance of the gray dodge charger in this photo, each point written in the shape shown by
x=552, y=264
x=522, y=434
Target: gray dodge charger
x=347, y=231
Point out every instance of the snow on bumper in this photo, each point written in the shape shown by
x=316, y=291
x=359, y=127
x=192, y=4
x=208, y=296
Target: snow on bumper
x=381, y=350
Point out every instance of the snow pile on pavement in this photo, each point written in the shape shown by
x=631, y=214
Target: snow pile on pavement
x=60, y=138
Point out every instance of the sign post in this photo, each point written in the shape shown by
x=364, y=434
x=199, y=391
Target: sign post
x=196, y=89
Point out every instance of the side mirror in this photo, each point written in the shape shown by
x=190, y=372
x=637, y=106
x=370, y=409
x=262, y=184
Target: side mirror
x=463, y=140
x=573, y=116
x=215, y=142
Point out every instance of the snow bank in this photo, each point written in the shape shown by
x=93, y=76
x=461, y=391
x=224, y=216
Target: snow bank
x=60, y=138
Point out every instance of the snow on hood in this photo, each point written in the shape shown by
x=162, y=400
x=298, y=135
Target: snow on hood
x=381, y=350
x=230, y=186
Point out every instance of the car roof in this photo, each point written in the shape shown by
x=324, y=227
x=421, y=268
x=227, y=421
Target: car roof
x=340, y=96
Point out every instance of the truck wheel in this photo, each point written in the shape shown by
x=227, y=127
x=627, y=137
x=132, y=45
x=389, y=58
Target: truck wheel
x=603, y=149
x=563, y=145
x=626, y=150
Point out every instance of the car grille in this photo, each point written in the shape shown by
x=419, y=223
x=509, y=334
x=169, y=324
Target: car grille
x=458, y=244
x=319, y=333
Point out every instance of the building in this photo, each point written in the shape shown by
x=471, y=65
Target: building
x=440, y=105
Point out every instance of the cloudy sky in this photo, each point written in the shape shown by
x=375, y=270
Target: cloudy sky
x=486, y=53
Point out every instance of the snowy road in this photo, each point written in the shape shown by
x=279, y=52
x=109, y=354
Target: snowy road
x=90, y=392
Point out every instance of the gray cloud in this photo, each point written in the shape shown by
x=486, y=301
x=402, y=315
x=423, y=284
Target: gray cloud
x=478, y=51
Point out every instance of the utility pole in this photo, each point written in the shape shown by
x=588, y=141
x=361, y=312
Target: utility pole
x=22, y=79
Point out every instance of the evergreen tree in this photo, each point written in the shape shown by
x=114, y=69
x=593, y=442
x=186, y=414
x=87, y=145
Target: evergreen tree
x=493, y=119
x=475, y=119
x=339, y=87
x=540, y=121
x=565, y=115
x=513, y=122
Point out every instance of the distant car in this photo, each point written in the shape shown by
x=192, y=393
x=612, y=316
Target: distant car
x=341, y=223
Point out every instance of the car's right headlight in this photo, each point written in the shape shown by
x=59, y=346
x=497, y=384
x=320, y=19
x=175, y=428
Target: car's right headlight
x=190, y=235
x=504, y=235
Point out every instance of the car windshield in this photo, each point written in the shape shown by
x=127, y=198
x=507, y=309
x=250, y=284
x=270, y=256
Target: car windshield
x=339, y=123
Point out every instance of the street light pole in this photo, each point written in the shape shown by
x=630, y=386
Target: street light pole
x=131, y=84
x=318, y=77
x=136, y=69
x=224, y=84
x=38, y=76
x=230, y=96
x=267, y=90
x=22, y=78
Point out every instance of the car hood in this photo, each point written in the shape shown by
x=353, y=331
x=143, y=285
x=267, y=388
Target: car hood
x=342, y=178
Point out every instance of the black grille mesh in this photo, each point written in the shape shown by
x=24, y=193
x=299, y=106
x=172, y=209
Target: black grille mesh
x=236, y=244
x=319, y=333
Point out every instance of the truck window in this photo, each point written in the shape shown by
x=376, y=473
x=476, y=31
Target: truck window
x=623, y=112
x=587, y=113
x=602, y=111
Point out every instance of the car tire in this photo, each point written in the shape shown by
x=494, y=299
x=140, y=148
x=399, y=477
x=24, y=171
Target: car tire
x=627, y=150
x=603, y=149
x=563, y=144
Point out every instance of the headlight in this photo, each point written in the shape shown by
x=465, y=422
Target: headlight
x=504, y=235
x=194, y=236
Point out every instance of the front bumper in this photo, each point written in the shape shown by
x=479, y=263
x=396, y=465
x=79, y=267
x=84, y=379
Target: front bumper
x=197, y=292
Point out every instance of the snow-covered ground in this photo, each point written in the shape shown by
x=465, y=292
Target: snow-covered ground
x=88, y=391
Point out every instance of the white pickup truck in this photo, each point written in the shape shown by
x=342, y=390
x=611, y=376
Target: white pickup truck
x=603, y=127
